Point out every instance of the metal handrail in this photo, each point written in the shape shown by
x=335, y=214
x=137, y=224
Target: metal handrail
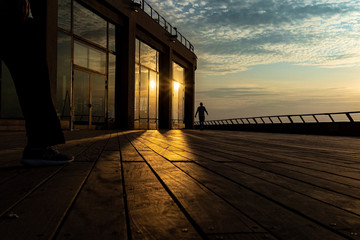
x=286, y=119
x=143, y=5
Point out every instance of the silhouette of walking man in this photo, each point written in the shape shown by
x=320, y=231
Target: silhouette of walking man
x=201, y=110
x=22, y=49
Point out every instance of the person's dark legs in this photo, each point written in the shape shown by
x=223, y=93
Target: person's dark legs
x=24, y=55
x=23, y=51
x=201, y=119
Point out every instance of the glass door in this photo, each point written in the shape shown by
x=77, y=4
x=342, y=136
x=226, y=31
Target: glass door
x=98, y=99
x=81, y=97
x=89, y=97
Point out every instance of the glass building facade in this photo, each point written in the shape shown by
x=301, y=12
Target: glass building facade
x=178, y=96
x=86, y=65
x=111, y=65
x=146, y=87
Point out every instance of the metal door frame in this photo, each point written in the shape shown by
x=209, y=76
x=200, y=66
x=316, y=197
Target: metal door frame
x=91, y=73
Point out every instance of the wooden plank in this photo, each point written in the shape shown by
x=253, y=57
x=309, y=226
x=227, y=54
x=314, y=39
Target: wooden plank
x=20, y=181
x=113, y=143
x=351, y=183
x=242, y=236
x=21, y=184
x=317, y=211
x=327, y=196
x=40, y=214
x=211, y=213
x=153, y=213
x=274, y=217
x=98, y=212
x=128, y=152
x=49, y=201
x=218, y=155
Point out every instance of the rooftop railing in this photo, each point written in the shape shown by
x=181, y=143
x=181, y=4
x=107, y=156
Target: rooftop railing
x=338, y=117
x=175, y=34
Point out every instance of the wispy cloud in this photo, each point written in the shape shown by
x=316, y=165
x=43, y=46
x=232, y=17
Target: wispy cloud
x=231, y=36
x=237, y=92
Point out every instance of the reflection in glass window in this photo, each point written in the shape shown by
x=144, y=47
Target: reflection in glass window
x=112, y=37
x=98, y=98
x=64, y=14
x=89, y=25
x=63, y=75
x=137, y=51
x=81, y=96
x=148, y=56
x=152, y=95
x=178, y=73
x=88, y=57
x=146, y=87
x=93, y=81
x=144, y=95
x=137, y=93
x=111, y=87
x=178, y=97
x=10, y=107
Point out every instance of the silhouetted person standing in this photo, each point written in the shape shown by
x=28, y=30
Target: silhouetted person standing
x=201, y=110
x=22, y=49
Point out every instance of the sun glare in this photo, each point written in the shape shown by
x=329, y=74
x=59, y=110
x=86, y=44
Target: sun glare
x=152, y=84
x=176, y=86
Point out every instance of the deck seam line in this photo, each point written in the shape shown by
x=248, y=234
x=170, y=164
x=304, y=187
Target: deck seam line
x=172, y=195
x=127, y=216
x=76, y=196
x=38, y=186
x=250, y=159
x=278, y=203
x=218, y=195
x=264, y=196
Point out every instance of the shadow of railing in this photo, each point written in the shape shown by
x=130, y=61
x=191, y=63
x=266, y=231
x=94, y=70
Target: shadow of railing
x=175, y=34
x=339, y=123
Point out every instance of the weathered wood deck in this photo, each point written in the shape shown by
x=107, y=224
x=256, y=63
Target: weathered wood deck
x=184, y=185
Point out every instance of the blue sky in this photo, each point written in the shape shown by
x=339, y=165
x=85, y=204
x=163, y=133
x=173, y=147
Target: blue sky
x=268, y=57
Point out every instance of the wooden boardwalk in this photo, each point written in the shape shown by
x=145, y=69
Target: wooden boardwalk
x=184, y=185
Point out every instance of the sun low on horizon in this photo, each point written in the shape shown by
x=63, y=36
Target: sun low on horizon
x=271, y=57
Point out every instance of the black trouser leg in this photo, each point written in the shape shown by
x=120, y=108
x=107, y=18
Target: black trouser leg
x=23, y=52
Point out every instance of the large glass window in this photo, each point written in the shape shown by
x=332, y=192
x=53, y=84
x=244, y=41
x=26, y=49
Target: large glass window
x=86, y=65
x=146, y=86
x=111, y=88
x=64, y=14
x=89, y=25
x=178, y=97
x=89, y=57
x=63, y=98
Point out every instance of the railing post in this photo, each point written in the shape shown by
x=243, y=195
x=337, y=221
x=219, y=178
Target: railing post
x=280, y=119
x=262, y=120
x=255, y=121
x=291, y=121
x=317, y=121
x=271, y=120
x=331, y=118
x=349, y=117
x=302, y=119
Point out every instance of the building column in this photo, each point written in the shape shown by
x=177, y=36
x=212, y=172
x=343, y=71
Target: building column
x=189, y=97
x=125, y=75
x=165, y=89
